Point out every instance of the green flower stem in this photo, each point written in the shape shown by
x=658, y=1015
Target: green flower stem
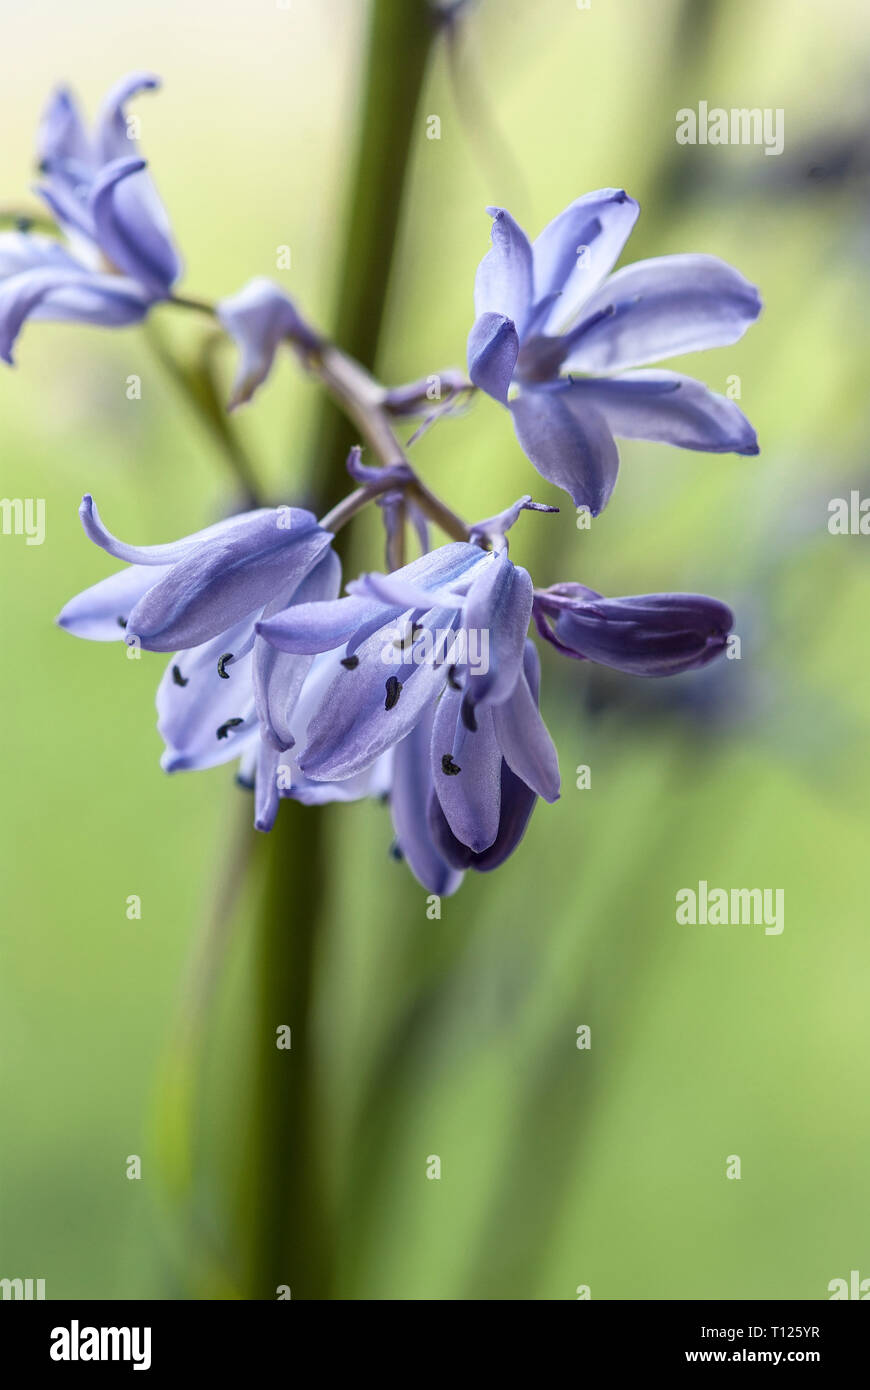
x=285, y=1207
x=362, y=402
x=288, y=1214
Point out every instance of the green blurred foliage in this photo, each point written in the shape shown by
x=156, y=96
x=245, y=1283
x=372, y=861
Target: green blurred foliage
x=560, y=1167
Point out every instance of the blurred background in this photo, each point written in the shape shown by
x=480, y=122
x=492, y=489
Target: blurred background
x=560, y=1167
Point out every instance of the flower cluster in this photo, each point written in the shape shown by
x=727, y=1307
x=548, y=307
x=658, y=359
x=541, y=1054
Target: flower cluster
x=323, y=698
x=419, y=684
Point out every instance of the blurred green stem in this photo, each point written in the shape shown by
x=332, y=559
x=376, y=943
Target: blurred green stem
x=292, y=1240
x=195, y=379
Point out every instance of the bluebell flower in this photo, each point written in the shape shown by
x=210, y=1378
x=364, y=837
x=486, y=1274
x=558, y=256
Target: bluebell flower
x=435, y=666
x=120, y=258
x=647, y=635
x=225, y=693
x=557, y=338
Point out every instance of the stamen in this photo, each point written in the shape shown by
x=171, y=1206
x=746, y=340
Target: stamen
x=451, y=678
x=350, y=663
x=396, y=851
x=230, y=724
x=178, y=677
x=222, y=662
x=122, y=622
x=394, y=690
x=448, y=766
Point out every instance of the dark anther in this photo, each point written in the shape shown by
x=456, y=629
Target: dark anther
x=396, y=852
x=451, y=678
x=350, y=663
x=448, y=766
x=178, y=677
x=230, y=724
x=394, y=690
x=410, y=635
x=244, y=782
x=122, y=622
x=466, y=709
x=24, y=224
x=222, y=665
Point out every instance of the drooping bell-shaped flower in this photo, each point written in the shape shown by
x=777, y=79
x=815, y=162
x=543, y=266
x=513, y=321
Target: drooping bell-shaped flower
x=119, y=258
x=434, y=666
x=520, y=759
x=558, y=338
x=648, y=635
x=225, y=691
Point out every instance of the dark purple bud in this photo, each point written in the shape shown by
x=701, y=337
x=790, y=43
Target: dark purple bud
x=647, y=635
